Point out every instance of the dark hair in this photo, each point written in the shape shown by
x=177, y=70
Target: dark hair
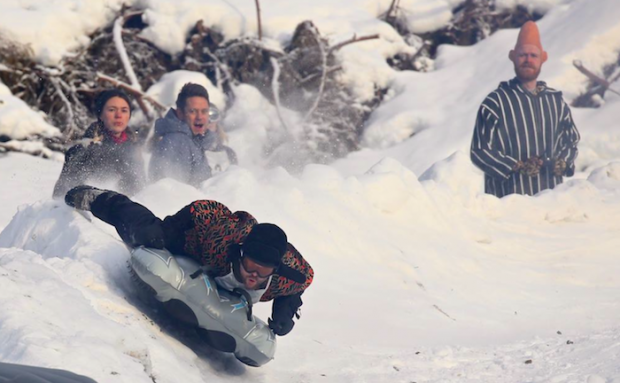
x=105, y=96
x=191, y=90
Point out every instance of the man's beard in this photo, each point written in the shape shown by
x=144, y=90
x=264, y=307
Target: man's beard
x=526, y=76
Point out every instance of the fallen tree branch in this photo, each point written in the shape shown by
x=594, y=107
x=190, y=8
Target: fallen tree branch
x=117, y=33
x=323, y=75
x=71, y=118
x=315, y=75
x=393, y=6
x=594, y=78
x=138, y=94
x=354, y=39
x=275, y=88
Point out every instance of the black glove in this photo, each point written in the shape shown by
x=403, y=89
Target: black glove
x=284, y=309
x=281, y=327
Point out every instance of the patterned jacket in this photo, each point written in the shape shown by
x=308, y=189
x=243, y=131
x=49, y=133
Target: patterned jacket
x=513, y=125
x=213, y=234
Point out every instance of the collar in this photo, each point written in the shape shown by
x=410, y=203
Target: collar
x=120, y=139
x=541, y=87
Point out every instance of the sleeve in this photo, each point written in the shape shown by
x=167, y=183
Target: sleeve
x=171, y=158
x=133, y=178
x=486, y=149
x=232, y=156
x=74, y=171
x=293, y=277
x=567, y=140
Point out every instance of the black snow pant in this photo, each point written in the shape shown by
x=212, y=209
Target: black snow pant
x=138, y=226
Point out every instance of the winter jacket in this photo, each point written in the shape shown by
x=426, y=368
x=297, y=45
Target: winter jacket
x=97, y=157
x=513, y=125
x=204, y=230
x=178, y=153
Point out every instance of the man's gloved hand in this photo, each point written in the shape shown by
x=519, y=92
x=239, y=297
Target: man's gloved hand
x=559, y=167
x=530, y=167
x=283, y=311
x=281, y=327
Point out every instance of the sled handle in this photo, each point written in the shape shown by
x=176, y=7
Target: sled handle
x=248, y=301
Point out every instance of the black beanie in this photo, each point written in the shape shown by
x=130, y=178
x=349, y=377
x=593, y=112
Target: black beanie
x=265, y=244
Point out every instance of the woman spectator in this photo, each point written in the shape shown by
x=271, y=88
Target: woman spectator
x=108, y=150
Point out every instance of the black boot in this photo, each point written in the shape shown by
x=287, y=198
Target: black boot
x=81, y=197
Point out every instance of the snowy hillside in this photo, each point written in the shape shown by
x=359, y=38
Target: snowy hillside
x=420, y=277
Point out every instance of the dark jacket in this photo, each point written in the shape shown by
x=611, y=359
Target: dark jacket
x=178, y=153
x=97, y=157
x=513, y=125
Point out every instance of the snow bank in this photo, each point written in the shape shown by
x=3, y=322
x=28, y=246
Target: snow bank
x=169, y=85
x=53, y=28
x=18, y=121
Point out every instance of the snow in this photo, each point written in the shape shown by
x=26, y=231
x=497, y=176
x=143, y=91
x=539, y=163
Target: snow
x=168, y=87
x=420, y=276
x=18, y=121
x=51, y=28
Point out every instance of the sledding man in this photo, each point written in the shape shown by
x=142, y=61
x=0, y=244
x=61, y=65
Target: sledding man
x=234, y=249
x=524, y=140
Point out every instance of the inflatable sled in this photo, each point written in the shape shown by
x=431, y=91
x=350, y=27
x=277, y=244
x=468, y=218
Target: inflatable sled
x=223, y=318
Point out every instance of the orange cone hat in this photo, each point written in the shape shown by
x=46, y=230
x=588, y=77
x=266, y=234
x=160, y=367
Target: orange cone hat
x=529, y=35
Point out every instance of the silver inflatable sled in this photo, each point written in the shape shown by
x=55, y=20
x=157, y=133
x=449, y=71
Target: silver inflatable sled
x=223, y=318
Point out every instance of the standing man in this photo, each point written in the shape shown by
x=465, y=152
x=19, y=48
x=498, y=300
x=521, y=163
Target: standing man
x=182, y=137
x=524, y=140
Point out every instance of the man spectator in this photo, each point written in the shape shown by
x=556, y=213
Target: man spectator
x=524, y=140
x=181, y=139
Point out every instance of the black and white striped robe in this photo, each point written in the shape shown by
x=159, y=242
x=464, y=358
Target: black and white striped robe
x=513, y=125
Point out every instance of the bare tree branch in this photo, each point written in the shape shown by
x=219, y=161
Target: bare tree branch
x=594, y=78
x=260, y=26
x=393, y=7
x=138, y=94
x=275, y=88
x=354, y=39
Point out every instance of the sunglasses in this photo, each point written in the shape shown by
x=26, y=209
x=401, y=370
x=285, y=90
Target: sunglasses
x=252, y=267
x=214, y=113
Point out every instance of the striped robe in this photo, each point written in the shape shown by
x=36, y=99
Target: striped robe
x=513, y=125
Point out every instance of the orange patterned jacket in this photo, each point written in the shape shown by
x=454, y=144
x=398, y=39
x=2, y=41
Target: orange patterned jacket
x=215, y=228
